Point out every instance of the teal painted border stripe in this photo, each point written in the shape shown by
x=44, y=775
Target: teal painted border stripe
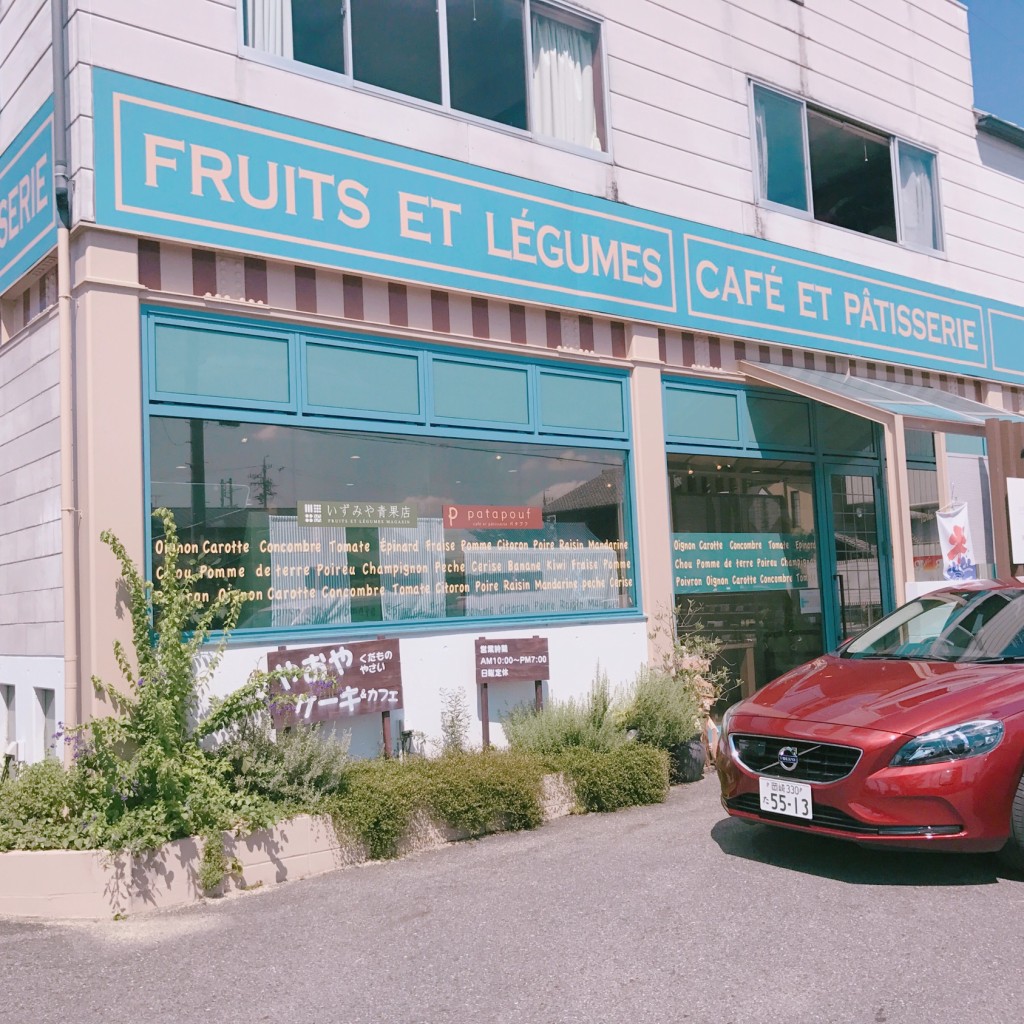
x=28, y=207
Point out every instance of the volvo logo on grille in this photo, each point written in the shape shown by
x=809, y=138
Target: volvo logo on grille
x=789, y=758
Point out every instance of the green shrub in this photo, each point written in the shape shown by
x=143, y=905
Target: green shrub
x=378, y=802
x=590, y=724
x=485, y=792
x=609, y=780
x=297, y=770
x=664, y=711
x=455, y=719
x=146, y=773
x=46, y=808
x=477, y=793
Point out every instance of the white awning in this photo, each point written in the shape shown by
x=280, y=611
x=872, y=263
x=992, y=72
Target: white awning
x=922, y=408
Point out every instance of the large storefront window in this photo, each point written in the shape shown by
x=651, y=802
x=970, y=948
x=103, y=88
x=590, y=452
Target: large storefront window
x=745, y=560
x=324, y=527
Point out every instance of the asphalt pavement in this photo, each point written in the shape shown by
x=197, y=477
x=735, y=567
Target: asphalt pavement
x=671, y=913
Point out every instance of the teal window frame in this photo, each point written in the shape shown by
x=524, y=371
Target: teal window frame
x=300, y=413
x=529, y=424
x=241, y=329
x=311, y=340
x=549, y=373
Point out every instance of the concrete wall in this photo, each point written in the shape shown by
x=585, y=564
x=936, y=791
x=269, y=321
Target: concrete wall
x=446, y=662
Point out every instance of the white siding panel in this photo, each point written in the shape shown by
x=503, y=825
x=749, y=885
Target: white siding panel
x=710, y=145
x=661, y=193
x=219, y=22
x=32, y=47
x=687, y=99
x=25, y=577
x=29, y=446
x=15, y=19
x=30, y=529
x=638, y=153
x=20, y=513
x=666, y=59
x=180, y=62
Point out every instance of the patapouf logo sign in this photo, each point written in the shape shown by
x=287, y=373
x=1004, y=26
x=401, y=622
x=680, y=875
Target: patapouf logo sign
x=28, y=216
x=214, y=172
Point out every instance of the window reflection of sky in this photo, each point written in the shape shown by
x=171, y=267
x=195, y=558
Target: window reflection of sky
x=237, y=486
x=294, y=464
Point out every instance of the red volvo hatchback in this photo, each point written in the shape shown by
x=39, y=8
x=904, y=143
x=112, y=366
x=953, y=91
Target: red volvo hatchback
x=911, y=735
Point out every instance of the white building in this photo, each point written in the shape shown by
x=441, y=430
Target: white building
x=601, y=307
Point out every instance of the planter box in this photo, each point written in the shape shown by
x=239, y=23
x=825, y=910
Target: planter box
x=98, y=884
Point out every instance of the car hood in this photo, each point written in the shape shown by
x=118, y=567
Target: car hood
x=909, y=697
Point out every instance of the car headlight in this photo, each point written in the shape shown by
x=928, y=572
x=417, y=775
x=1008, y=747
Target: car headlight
x=953, y=743
x=723, y=730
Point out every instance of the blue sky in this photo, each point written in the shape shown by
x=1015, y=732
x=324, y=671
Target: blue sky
x=997, y=36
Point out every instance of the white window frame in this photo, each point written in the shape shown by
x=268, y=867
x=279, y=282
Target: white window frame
x=9, y=710
x=39, y=712
x=894, y=143
x=347, y=79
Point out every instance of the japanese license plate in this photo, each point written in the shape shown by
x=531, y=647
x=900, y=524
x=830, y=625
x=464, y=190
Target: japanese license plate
x=780, y=796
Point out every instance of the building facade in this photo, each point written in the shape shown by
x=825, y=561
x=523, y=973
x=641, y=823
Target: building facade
x=465, y=323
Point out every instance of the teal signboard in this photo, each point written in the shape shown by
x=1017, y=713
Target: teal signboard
x=210, y=172
x=716, y=563
x=28, y=212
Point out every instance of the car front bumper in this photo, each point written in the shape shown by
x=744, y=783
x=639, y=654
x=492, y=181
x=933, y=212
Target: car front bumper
x=953, y=805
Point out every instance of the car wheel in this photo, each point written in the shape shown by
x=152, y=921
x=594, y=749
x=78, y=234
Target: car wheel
x=1012, y=854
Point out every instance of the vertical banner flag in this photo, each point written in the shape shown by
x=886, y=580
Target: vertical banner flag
x=955, y=539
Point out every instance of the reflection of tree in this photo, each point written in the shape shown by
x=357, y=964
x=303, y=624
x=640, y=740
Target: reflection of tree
x=263, y=485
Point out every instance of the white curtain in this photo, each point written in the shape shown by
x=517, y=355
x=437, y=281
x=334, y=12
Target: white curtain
x=562, y=83
x=761, y=130
x=917, y=197
x=270, y=26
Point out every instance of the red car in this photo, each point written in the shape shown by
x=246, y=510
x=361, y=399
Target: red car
x=911, y=735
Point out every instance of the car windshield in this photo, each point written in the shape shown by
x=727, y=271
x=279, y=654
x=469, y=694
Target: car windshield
x=961, y=625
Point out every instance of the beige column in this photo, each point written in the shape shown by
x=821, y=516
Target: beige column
x=108, y=441
x=653, y=523
x=1005, y=442
x=897, y=483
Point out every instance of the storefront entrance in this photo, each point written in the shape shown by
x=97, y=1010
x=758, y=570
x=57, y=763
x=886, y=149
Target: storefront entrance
x=854, y=525
x=779, y=555
x=778, y=559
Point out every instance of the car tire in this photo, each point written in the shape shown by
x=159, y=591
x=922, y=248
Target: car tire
x=1012, y=854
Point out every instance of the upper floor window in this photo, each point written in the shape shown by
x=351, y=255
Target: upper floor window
x=844, y=174
x=520, y=63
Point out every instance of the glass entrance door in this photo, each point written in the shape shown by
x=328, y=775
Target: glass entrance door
x=745, y=559
x=859, y=584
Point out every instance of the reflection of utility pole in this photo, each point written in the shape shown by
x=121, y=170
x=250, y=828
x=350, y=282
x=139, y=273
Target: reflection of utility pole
x=264, y=486
x=227, y=492
x=198, y=449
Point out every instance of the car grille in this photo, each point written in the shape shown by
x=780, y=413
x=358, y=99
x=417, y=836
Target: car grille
x=817, y=762
x=824, y=817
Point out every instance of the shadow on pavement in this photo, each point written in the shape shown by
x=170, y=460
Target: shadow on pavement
x=847, y=862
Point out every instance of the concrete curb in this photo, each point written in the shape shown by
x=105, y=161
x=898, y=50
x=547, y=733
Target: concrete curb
x=90, y=884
